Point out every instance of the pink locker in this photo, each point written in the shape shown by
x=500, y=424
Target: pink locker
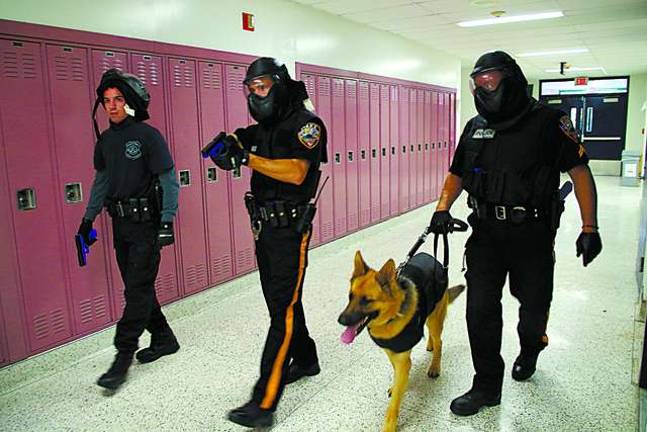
x=216, y=188
x=394, y=156
x=243, y=241
x=364, y=159
x=413, y=147
x=186, y=143
x=439, y=144
x=433, y=122
x=150, y=69
x=338, y=159
x=352, y=163
x=447, y=119
x=420, y=167
x=310, y=82
x=452, y=126
x=374, y=134
x=326, y=202
x=426, y=150
x=403, y=149
x=33, y=198
x=385, y=154
x=71, y=96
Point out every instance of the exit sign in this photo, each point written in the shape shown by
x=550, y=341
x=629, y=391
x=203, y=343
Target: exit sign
x=581, y=81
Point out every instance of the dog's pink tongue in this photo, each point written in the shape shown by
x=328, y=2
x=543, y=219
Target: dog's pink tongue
x=348, y=336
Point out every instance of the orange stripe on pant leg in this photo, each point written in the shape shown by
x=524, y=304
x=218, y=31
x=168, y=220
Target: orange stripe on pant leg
x=272, y=386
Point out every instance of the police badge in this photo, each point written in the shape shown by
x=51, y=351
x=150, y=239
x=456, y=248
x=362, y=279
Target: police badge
x=133, y=150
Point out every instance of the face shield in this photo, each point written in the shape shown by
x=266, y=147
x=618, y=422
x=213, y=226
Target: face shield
x=259, y=86
x=488, y=80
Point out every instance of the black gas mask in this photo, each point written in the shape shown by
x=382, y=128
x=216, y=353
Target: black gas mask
x=499, y=88
x=262, y=74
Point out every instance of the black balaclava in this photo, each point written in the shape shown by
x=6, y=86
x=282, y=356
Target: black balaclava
x=277, y=103
x=511, y=99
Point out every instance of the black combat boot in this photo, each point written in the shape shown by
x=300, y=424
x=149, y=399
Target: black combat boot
x=472, y=401
x=296, y=372
x=524, y=366
x=251, y=415
x=116, y=375
x=162, y=343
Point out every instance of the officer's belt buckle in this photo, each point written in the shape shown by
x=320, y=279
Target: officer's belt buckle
x=500, y=213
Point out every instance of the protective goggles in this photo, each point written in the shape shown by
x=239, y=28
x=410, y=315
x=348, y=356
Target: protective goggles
x=260, y=85
x=488, y=80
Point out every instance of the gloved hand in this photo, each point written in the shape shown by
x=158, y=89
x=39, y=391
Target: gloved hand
x=165, y=234
x=232, y=156
x=589, y=245
x=441, y=222
x=84, y=231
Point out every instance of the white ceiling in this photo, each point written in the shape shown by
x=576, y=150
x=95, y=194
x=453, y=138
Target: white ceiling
x=614, y=31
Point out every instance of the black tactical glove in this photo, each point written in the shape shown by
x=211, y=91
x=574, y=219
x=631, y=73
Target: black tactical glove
x=589, y=245
x=441, y=222
x=165, y=234
x=232, y=156
x=84, y=231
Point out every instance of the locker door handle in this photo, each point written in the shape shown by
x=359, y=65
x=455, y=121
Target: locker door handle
x=404, y=149
x=363, y=154
x=426, y=146
x=26, y=199
x=412, y=148
x=185, y=178
x=383, y=152
x=350, y=156
x=337, y=158
x=373, y=153
x=73, y=193
x=392, y=150
x=433, y=146
x=419, y=147
x=212, y=175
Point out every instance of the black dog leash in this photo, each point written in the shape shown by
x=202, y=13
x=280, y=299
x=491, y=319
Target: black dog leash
x=457, y=225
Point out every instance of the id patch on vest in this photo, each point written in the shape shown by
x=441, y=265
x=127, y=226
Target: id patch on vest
x=484, y=134
x=566, y=125
x=133, y=150
x=309, y=135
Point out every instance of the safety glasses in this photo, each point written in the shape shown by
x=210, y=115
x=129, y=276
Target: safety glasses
x=488, y=80
x=259, y=86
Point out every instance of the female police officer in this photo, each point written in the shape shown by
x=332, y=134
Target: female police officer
x=132, y=161
x=284, y=151
x=509, y=159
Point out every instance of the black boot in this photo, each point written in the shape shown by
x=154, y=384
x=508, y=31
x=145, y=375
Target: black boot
x=524, y=366
x=251, y=415
x=472, y=401
x=296, y=372
x=116, y=375
x=162, y=343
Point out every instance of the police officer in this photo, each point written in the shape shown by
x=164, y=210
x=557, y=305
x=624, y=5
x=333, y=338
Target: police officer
x=509, y=159
x=284, y=151
x=135, y=180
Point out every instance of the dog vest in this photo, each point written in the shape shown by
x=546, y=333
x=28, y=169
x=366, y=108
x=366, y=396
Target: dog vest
x=427, y=276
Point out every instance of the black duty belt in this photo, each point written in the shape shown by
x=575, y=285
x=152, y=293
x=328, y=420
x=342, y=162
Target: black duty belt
x=282, y=211
x=134, y=209
x=514, y=214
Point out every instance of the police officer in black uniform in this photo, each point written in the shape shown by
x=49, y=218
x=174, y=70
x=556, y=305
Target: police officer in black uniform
x=135, y=180
x=509, y=160
x=284, y=151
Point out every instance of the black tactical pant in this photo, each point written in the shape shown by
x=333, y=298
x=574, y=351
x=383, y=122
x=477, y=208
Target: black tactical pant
x=524, y=253
x=138, y=257
x=281, y=254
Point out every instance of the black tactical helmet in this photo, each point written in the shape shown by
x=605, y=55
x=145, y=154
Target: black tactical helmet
x=510, y=100
x=131, y=87
x=276, y=104
x=267, y=66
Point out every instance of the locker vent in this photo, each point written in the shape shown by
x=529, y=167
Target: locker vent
x=352, y=221
x=182, y=75
x=309, y=81
x=384, y=93
x=324, y=86
x=327, y=231
x=235, y=77
x=41, y=326
x=57, y=318
x=110, y=61
x=196, y=276
x=165, y=286
x=245, y=259
x=100, y=310
x=340, y=225
x=363, y=91
x=211, y=78
x=351, y=89
x=18, y=65
x=375, y=92
x=148, y=71
x=221, y=267
x=85, y=307
x=338, y=88
x=365, y=217
x=405, y=96
x=69, y=68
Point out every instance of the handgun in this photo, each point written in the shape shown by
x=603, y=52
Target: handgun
x=215, y=148
x=83, y=248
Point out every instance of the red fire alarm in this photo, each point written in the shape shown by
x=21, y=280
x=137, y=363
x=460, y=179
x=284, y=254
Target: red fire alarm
x=581, y=81
x=248, y=21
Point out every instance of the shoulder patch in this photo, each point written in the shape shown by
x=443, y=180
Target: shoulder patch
x=566, y=126
x=309, y=135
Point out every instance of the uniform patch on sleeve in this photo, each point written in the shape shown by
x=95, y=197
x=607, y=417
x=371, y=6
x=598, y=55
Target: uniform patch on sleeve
x=566, y=126
x=309, y=135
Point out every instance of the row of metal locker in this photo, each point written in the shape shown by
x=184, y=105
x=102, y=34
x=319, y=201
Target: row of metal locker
x=388, y=150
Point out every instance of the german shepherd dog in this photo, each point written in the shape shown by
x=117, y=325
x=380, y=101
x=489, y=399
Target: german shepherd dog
x=394, y=305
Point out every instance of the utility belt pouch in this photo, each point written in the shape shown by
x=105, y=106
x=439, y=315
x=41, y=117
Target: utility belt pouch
x=282, y=214
x=304, y=221
x=145, y=211
x=272, y=215
x=556, y=210
x=133, y=210
x=250, y=205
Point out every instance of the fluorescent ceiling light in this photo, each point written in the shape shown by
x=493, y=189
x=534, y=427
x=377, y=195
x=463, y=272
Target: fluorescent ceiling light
x=510, y=19
x=556, y=52
x=579, y=69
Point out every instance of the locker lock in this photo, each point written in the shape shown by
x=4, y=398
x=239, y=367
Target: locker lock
x=212, y=175
x=426, y=146
x=185, y=178
x=73, y=193
x=419, y=147
x=26, y=199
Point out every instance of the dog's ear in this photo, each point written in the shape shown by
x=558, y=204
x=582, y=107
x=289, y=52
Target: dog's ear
x=386, y=275
x=360, y=266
